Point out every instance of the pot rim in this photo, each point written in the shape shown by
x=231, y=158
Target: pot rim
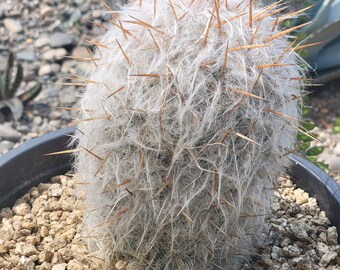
x=31, y=166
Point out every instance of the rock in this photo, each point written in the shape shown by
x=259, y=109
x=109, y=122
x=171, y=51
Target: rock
x=8, y=133
x=68, y=95
x=5, y=146
x=48, y=69
x=322, y=249
x=55, y=190
x=6, y=231
x=26, y=263
x=46, y=11
x=22, y=209
x=25, y=249
x=334, y=164
x=299, y=230
x=61, y=40
x=332, y=236
x=6, y=213
x=301, y=197
x=327, y=258
x=56, y=54
x=27, y=55
x=337, y=149
x=13, y=26
x=60, y=266
x=41, y=42
x=291, y=251
x=45, y=256
x=81, y=52
x=275, y=206
x=75, y=265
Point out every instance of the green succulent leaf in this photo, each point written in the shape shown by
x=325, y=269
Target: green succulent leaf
x=8, y=77
x=18, y=79
x=336, y=130
x=312, y=159
x=308, y=125
x=337, y=122
x=305, y=112
x=30, y=94
x=314, y=151
x=14, y=105
x=304, y=146
x=323, y=166
x=304, y=137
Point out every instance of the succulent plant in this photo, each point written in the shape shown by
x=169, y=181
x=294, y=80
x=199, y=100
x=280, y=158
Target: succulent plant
x=184, y=127
x=9, y=85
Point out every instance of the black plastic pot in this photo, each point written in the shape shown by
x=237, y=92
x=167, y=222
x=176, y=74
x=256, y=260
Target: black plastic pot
x=28, y=165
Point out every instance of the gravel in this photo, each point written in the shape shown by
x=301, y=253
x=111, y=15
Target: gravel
x=43, y=231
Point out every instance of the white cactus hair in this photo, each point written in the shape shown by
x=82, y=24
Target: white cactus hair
x=184, y=129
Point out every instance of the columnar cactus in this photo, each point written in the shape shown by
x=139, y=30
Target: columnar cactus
x=185, y=125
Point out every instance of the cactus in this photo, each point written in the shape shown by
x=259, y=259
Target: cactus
x=189, y=112
x=9, y=87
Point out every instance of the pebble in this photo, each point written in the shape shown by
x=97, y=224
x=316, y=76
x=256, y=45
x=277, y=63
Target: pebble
x=61, y=266
x=46, y=11
x=8, y=133
x=55, y=190
x=334, y=164
x=26, y=263
x=55, y=54
x=27, y=55
x=41, y=42
x=61, y=40
x=21, y=209
x=13, y=26
x=48, y=69
x=25, y=249
x=67, y=96
x=337, y=149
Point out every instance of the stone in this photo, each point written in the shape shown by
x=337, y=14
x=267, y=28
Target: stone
x=327, y=258
x=8, y=133
x=27, y=55
x=45, y=256
x=334, y=164
x=68, y=95
x=81, y=52
x=75, y=265
x=55, y=190
x=275, y=206
x=332, y=236
x=48, y=69
x=337, y=149
x=60, y=266
x=322, y=249
x=291, y=251
x=41, y=42
x=55, y=54
x=26, y=263
x=22, y=209
x=61, y=40
x=6, y=213
x=25, y=249
x=46, y=11
x=6, y=231
x=13, y=26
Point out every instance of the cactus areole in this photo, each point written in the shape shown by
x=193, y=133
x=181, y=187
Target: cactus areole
x=189, y=112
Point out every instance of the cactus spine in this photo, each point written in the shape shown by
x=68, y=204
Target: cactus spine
x=183, y=130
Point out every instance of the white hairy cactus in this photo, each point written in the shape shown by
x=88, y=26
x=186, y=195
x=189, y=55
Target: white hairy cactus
x=189, y=112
